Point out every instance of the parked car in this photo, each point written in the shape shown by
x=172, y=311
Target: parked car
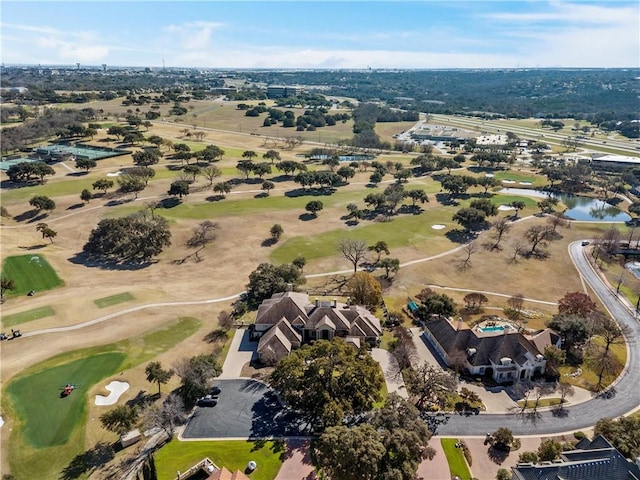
x=585, y=243
x=215, y=391
x=207, y=401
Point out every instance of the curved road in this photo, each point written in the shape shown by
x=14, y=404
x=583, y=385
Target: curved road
x=620, y=399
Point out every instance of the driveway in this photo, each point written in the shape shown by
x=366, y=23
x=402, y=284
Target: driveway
x=297, y=462
x=437, y=468
x=392, y=376
x=240, y=353
x=424, y=351
x=245, y=409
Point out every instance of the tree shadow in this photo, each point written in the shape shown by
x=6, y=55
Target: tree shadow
x=312, y=192
x=142, y=398
x=75, y=206
x=34, y=247
x=261, y=195
x=84, y=260
x=118, y=201
x=460, y=236
x=497, y=456
x=215, y=198
x=77, y=174
x=215, y=336
x=170, y=202
x=269, y=242
x=305, y=217
x=446, y=200
x=85, y=462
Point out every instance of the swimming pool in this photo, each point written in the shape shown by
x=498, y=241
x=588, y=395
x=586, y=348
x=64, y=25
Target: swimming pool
x=495, y=328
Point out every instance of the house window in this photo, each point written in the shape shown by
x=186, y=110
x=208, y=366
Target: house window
x=481, y=371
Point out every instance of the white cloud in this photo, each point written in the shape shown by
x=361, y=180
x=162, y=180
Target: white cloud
x=193, y=35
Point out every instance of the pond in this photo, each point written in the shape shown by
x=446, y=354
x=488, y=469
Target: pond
x=578, y=208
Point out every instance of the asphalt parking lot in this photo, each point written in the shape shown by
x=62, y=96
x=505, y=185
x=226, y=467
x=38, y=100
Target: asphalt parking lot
x=245, y=409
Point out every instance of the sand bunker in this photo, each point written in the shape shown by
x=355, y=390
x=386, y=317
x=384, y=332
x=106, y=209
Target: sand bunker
x=505, y=207
x=114, y=174
x=1, y=422
x=438, y=227
x=116, y=389
x=525, y=183
x=508, y=181
x=488, y=175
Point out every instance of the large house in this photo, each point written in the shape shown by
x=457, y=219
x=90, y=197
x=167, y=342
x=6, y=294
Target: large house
x=506, y=355
x=591, y=460
x=289, y=319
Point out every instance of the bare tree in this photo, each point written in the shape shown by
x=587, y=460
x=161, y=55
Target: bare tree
x=203, y=234
x=538, y=236
x=516, y=302
x=565, y=390
x=517, y=247
x=469, y=249
x=225, y=320
x=404, y=350
x=353, y=250
x=166, y=416
x=211, y=172
x=556, y=220
x=502, y=226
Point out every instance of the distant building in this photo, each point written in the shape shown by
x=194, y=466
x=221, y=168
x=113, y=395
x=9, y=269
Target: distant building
x=283, y=91
x=593, y=459
x=615, y=161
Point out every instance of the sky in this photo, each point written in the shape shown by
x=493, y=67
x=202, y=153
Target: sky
x=321, y=34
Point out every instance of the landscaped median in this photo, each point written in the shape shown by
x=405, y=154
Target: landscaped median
x=455, y=458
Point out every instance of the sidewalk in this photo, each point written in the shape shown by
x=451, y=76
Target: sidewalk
x=297, y=461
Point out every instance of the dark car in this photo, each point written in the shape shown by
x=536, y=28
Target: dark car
x=215, y=391
x=207, y=401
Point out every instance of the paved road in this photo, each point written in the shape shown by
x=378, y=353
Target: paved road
x=621, y=398
x=391, y=371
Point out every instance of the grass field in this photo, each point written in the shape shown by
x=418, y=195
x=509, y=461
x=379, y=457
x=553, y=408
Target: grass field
x=232, y=454
x=455, y=458
x=60, y=415
x=113, y=300
x=27, y=316
x=37, y=452
x=29, y=272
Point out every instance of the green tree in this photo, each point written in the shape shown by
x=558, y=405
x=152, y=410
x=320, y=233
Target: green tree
x=6, y=283
x=346, y=173
x=245, y=167
x=276, y=232
x=249, y=154
x=487, y=183
x=623, y=433
x=268, y=279
x=117, y=131
x=379, y=247
x=272, y=155
x=503, y=439
x=313, y=207
x=503, y=474
x=417, y=195
x=41, y=202
x=328, y=381
x=157, y=374
x=136, y=238
x=299, y=262
x=364, y=289
x=268, y=185
x=389, y=265
x=340, y=448
x=179, y=188
x=102, y=184
x=120, y=419
x=46, y=232
x=85, y=163
x=222, y=188
x=86, y=195
x=142, y=173
x=131, y=184
x=471, y=219
x=549, y=450
x=518, y=205
x=435, y=304
x=485, y=205
x=144, y=158
x=195, y=375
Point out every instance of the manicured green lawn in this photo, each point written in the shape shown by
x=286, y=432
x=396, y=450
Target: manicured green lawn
x=52, y=429
x=29, y=272
x=401, y=231
x=27, y=316
x=37, y=397
x=52, y=189
x=544, y=402
x=113, y=300
x=232, y=454
x=455, y=458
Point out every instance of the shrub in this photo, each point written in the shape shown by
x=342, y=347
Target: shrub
x=467, y=453
x=503, y=474
x=579, y=435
